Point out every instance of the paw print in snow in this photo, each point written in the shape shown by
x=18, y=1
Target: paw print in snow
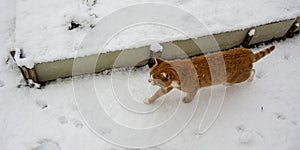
x=77, y=123
x=240, y=128
x=295, y=123
x=280, y=116
x=2, y=84
x=63, y=120
x=287, y=56
x=47, y=144
x=89, y=2
x=247, y=136
x=260, y=75
x=42, y=105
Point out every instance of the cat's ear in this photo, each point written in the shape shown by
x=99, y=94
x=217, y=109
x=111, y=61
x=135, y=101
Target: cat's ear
x=158, y=60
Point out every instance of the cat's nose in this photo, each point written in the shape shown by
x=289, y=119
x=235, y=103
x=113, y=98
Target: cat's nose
x=149, y=80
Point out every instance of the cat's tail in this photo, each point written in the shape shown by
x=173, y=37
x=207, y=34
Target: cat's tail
x=263, y=53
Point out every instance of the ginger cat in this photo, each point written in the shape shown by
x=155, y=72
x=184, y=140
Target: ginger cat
x=224, y=67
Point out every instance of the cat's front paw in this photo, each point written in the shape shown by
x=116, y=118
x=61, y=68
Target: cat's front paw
x=147, y=101
x=187, y=100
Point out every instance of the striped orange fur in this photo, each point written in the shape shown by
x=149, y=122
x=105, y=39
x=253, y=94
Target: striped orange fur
x=224, y=67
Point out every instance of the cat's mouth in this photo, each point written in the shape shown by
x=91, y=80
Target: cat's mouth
x=151, y=81
x=155, y=82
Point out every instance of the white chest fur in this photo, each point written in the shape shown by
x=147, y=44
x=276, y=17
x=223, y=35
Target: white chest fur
x=175, y=84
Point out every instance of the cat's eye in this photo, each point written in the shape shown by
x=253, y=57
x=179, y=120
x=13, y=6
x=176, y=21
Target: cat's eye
x=166, y=76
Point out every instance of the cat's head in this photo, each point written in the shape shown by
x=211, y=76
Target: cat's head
x=162, y=73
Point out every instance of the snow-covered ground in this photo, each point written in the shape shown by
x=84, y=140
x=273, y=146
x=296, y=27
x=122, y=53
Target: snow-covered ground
x=260, y=115
x=42, y=26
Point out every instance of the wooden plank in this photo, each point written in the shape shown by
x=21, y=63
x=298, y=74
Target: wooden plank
x=232, y=39
x=248, y=38
x=293, y=29
x=91, y=64
x=298, y=27
x=270, y=31
x=205, y=44
x=178, y=49
x=133, y=57
x=187, y=48
x=28, y=74
x=48, y=71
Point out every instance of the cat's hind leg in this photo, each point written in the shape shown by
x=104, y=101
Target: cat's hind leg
x=250, y=79
x=241, y=77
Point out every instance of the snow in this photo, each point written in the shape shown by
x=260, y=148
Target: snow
x=263, y=114
x=23, y=61
x=7, y=26
x=297, y=25
x=251, y=32
x=42, y=26
x=156, y=47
